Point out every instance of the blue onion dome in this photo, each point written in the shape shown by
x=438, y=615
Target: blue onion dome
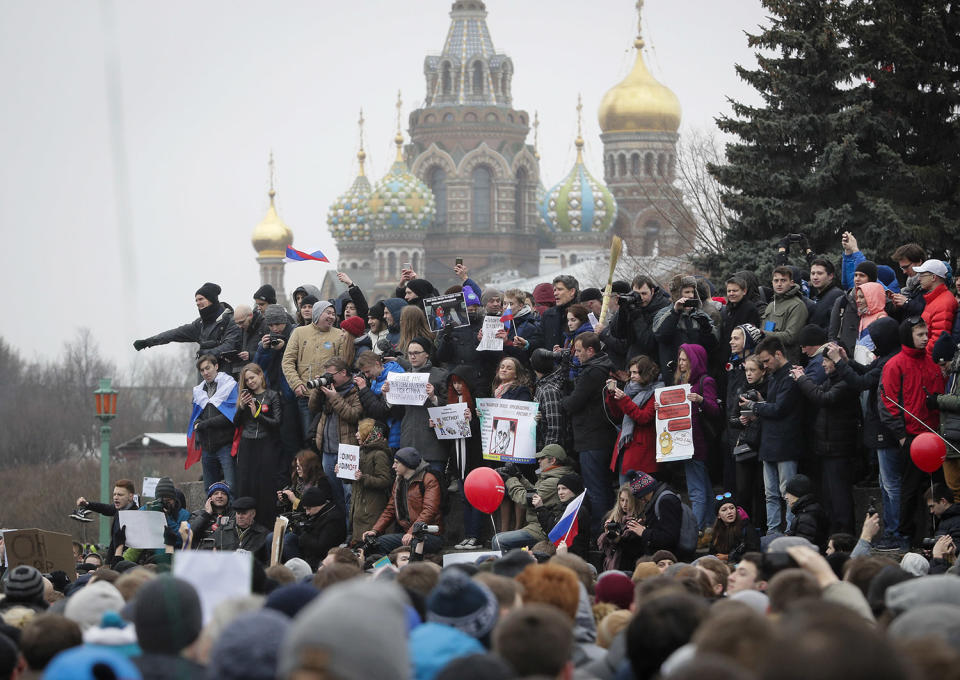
x=348, y=217
x=579, y=203
x=401, y=200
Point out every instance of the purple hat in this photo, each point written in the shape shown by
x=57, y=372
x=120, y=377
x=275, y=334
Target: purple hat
x=470, y=296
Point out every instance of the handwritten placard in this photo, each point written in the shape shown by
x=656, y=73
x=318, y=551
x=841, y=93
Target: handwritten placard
x=407, y=388
x=450, y=421
x=348, y=461
x=489, y=342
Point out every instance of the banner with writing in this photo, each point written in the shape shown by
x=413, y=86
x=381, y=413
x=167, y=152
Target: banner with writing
x=348, y=461
x=407, y=388
x=450, y=421
x=674, y=424
x=489, y=342
x=508, y=429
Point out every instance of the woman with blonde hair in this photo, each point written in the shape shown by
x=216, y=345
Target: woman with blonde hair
x=258, y=457
x=373, y=478
x=413, y=324
x=621, y=548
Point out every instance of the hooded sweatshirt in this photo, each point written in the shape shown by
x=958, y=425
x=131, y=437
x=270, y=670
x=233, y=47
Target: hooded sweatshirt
x=907, y=379
x=876, y=299
x=706, y=387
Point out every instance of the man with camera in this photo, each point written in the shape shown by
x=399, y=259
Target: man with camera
x=336, y=401
x=944, y=511
x=633, y=323
x=414, y=506
x=308, y=350
x=374, y=369
x=216, y=513
x=552, y=464
x=685, y=322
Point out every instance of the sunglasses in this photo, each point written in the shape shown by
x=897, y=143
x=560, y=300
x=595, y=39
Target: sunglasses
x=724, y=495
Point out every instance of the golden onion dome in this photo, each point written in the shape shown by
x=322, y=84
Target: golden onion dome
x=271, y=237
x=639, y=103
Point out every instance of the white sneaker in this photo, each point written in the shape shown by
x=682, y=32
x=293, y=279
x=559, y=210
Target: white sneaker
x=468, y=544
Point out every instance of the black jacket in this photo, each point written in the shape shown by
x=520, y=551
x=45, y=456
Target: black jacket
x=548, y=516
x=823, y=303
x=674, y=329
x=109, y=510
x=733, y=315
x=318, y=533
x=264, y=425
x=663, y=532
x=781, y=419
x=252, y=335
x=213, y=429
x=736, y=431
x=216, y=334
x=809, y=521
x=633, y=324
x=837, y=422
x=458, y=347
x=585, y=408
x=950, y=523
x=553, y=323
x=227, y=536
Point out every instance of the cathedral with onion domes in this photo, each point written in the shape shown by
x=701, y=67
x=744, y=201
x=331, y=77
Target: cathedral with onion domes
x=466, y=181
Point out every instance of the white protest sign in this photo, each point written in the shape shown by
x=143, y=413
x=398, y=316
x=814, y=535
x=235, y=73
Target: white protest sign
x=150, y=487
x=450, y=421
x=144, y=528
x=469, y=557
x=674, y=424
x=407, y=388
x=217, y=576
x=348, y=461
x=592, y=318
x=489, y=342
x=508, y=429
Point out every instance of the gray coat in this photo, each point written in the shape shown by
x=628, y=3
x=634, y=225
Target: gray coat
x=415, y=429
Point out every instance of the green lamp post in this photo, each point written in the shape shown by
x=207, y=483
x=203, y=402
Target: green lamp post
x=105, y=398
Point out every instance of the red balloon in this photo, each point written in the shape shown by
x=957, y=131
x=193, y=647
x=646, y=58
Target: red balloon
x=484, y=489
x=928, y=452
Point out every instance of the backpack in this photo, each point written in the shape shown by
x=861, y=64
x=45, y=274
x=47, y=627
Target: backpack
x=445, y=501
x=689, y=534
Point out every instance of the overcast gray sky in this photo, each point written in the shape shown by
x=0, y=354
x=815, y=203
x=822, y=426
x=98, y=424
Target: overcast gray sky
x=207, y=89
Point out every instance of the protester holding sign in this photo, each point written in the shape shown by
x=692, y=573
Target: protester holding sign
x=124, y=498
x=373, y=478
x=469, y=450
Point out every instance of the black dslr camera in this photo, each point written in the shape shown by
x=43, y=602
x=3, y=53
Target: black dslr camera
x=631, y=299
x=322, y=381
x=613, y=529
x=275, y=339
x=751, y=395
x=419, y=530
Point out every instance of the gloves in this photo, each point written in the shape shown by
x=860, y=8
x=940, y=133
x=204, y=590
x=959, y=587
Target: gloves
x=200, y=425
x=170, y=536
x=122, y=536
x=932, y=404
x=507, y=471
x=140, y=344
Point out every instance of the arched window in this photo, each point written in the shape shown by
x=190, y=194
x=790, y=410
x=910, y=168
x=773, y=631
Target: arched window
x=573, y=260
x=381, y=270
x=651, y=239
x=661, y=165
x=354, y=265
x=477, y=78
x=438, y=185
x=445, y=80
x=416, y=262
x=622, y=165
x=635, y=164
x=405, y=260
x=648, y=165
x=610, y=166
x=391, y=266
x=482, y=183
x=520, y=201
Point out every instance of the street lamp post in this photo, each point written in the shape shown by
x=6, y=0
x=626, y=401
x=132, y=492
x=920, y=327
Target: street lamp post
x=105, y=399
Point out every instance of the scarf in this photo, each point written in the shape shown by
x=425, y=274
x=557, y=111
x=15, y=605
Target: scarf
x=640, y=396
x=501, y=389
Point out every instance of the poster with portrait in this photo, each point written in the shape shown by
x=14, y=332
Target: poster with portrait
x=674, y=424
x=450, y=421
x=508, y=429
x=446, y=311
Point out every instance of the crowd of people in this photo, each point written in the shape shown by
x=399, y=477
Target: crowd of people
x=800, y=392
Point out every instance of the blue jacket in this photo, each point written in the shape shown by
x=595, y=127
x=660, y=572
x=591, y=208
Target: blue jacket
x=376, y=386
x=269, y=360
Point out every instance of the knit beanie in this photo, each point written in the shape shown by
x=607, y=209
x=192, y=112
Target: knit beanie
x=291, y=598
x=799, y=486
x=467, y=605
x=24, y=584
x=409, y=456
x=869, y=268
x=543, y=294
x=88, y=605
x=489, y=294
x=211, y=292
x=614, y=587
x=376, y=311
x=915, y=564
x=641, y=483
x=355, y=326
x=751, y=335
x=309, y=300
x=167, y=615
x=590, y=294
x=81, y=663
x=725, y=498
x=318, y=309
x=313, y=497
x=811, y=335
x=426, y=343
x=114, y=634
x=470, y=297
x=944, y=348
x=165, y=488
x=366, y=641
x=422, y=288
x=249, y=647
x=275, y=314
x=572, y=481
x=301, y=570
x=267, y=293
x=663, y=555
x=219, y=486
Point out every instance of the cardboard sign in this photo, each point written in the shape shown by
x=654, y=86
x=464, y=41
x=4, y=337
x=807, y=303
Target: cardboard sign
x=150, y=486
x=508, y=429
x=674, y=424
x=144, y=528
x=48, y=551
x=348, y=461
x=446, y=311
x=407, y=388
x=450, y=421
x=217, y=576
x=489, y=342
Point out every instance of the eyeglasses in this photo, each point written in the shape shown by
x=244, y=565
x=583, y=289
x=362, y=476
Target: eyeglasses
x=412, y=353
x=724, y=495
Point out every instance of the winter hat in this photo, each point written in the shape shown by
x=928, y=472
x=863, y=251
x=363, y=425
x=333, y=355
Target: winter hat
x=434, y=645
x=572, y=481
x=425, y=343
x=888, y=278
x=780, y=544
x=313, y=497
x=799, y=486
x=915, y=564
x=751, y=335
x=309, y=300
x=663, y=555
x=114, y=634
x=318, y=309
x=267, y=293
x=543, y=295
x=465, y=604
x=365, y=642
x=490, y=293
x=906, y=329
x=513, y=563
x=24, y=585
x=299, y=567
x=938, y=589
x=641, y=483
x=940, y=620
x=211, y=291
x=291, y=598
x=944, y=348
x=422, y=288
x=275, y=314
x=376, y=311
x=90, y=603
x=758, y=601
x=588, y=294
x=725, y=498
x=409, y=456
x=248, y=647
x=87, y=663
x=219, y=486
x=165, y=488
x=869, y=268
x=355, y=326
x=614, y=587
x=811, y=335
x=166, y=612
x=470, y=297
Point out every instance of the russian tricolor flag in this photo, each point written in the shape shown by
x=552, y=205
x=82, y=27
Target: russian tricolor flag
x=225, y=400
x=507, y=317
x=566, y=528
x=294, y=255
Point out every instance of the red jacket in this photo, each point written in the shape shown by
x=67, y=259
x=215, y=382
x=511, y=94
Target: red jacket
x=938, y=313
x=640, y=453
x=908, y=377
